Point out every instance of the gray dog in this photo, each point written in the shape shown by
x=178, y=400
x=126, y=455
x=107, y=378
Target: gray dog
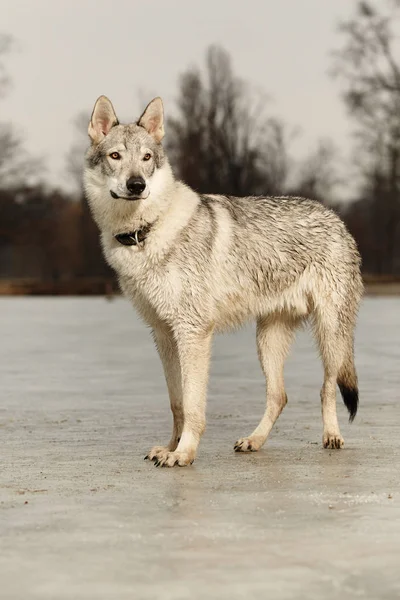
x=194, y=264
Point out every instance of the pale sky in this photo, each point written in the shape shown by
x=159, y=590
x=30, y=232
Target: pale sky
x=68, y=52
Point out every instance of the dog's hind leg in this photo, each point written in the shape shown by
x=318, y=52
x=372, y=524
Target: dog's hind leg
x=168, y=351
x=274, y=337
x=334, y=331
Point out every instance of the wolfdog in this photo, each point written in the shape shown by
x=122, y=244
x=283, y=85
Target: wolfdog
x=195, y=264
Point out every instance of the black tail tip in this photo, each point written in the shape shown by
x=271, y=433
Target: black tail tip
x=350, y=398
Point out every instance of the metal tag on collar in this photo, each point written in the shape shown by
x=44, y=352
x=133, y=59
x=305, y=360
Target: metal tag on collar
x=127, y=239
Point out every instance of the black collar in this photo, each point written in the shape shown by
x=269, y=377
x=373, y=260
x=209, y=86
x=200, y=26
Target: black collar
x=134, y=238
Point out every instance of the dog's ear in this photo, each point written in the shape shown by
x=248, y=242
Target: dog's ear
x=153, y=119
x=102, y=120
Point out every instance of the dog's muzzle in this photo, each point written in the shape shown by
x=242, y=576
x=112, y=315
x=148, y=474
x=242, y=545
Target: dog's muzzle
x=115, y=196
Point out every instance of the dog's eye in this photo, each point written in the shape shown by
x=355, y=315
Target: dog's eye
x=115, y=155
x=147, y=156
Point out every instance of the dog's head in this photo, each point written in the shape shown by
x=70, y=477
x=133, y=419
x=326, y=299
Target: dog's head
x=123, y=160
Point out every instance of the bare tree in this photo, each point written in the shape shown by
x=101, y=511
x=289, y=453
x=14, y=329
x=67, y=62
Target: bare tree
x=15, y=163
x=75, y=156
x=317, y=175
x=369, y=69
x=222, y=139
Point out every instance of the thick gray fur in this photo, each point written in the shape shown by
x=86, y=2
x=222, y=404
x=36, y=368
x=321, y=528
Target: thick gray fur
x=211, y=263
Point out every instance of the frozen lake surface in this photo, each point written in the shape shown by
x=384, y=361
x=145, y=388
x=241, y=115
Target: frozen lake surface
x=82, y=516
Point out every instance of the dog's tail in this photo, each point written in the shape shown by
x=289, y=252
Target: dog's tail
x=348, y=385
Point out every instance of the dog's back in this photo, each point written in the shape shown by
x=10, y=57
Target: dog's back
x=244, y=257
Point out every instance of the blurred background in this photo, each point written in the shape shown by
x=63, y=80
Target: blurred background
x=261, y=97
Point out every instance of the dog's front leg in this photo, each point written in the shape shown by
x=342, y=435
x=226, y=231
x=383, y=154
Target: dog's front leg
x=168, y=351
x=194, y=348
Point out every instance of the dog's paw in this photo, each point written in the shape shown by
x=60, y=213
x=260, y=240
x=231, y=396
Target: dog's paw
x=157, y=453
x=333, y=441
x=247, y=445
x=172, y=459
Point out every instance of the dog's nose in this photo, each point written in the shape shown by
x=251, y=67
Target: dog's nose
x=136, y=185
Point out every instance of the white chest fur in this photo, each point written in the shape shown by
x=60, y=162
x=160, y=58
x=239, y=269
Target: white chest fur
x=145, y=280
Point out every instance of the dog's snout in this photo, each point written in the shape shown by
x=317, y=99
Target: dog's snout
x=136, y=185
